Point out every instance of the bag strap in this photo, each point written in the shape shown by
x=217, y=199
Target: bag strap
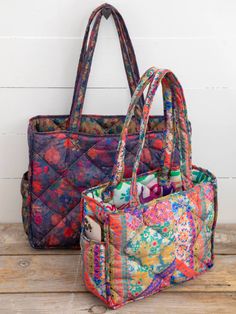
x=124, y=36
x=175, y=106
x=86, y=57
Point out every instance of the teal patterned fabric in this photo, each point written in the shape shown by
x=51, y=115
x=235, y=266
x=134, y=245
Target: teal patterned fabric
x=158, y=227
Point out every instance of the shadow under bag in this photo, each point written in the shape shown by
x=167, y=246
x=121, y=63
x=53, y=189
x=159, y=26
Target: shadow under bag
x=68, y=154
x=156, y=229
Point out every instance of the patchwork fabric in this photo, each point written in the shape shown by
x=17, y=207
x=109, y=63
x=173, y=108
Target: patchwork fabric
x=63, y=164
x=163, y=242
x=71, y=153
x=157, y=228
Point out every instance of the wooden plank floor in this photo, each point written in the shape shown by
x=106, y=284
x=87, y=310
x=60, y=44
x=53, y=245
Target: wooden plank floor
x=37, y=281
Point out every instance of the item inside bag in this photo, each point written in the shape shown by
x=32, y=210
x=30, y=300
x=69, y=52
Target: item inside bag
x=92, y=229
x=148, y=189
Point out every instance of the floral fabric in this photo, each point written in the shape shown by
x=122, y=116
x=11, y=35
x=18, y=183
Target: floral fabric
x=68, y=154
x=144, y=250
x=63, y=164
x=157, y=228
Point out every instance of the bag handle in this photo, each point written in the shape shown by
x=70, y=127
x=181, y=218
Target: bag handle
x=176, y=110
x=175, y=107
x=124, y=38
x=86, y=57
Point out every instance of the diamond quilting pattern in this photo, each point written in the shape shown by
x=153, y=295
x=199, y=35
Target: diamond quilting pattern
x=43, y=219
x=41, y=142
x=89, y=173
x=173, y=238
x=162, y=242
x=64, y=164
x=67, y=229
x=151, y=249
x=169, y=239
x=60, y=160
x=192, y=244
x=54, y=150
x=43, y=175
x=61, y=196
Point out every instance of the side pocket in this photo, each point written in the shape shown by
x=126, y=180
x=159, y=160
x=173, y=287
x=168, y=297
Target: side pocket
x=94, y=259
x=25, y=201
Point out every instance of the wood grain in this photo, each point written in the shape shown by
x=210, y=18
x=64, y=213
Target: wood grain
x=40, y=45
x=13, y=241
x=40, y=281
x=41, y=273
x=60, y=273
x=38, y=66
x=82, y=303
x=225, y=239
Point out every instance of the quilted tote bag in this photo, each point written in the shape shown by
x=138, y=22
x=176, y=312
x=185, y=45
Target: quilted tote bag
x=68, y=154
x=156, y=229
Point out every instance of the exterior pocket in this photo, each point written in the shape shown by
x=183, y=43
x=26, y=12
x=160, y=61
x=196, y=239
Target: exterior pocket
x=94, y=258
x=151, y=260
x=25, y=201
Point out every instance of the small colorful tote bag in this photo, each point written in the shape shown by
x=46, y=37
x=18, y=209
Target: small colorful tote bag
x=144, y=234
x=70, y=153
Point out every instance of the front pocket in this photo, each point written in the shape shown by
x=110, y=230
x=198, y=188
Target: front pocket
x=94, y=259
x=25, y=201
x=151, y=260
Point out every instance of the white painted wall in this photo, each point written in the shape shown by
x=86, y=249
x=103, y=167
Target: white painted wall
x=39, y=49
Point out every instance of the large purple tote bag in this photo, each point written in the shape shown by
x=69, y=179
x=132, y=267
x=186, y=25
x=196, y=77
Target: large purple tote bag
x=68, y=154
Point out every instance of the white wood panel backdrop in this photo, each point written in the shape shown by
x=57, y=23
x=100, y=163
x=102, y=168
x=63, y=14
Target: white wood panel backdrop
x=39, y=49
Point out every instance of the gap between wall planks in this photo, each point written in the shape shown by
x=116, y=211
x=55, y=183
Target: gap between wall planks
x=13, y=242
x=201, y=54
x=40, y=281
x=207, y=136
x=49, y=281
x=46, y=61
x=10, y=197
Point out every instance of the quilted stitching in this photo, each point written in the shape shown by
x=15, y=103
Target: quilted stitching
x=64, y=164
x=158, y=228
x=170, y=242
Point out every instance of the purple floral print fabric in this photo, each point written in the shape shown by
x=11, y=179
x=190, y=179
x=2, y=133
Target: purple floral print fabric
x=68, y=154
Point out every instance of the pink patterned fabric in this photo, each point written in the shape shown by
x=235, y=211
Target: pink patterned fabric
x=158, y=227
x=68, y=154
